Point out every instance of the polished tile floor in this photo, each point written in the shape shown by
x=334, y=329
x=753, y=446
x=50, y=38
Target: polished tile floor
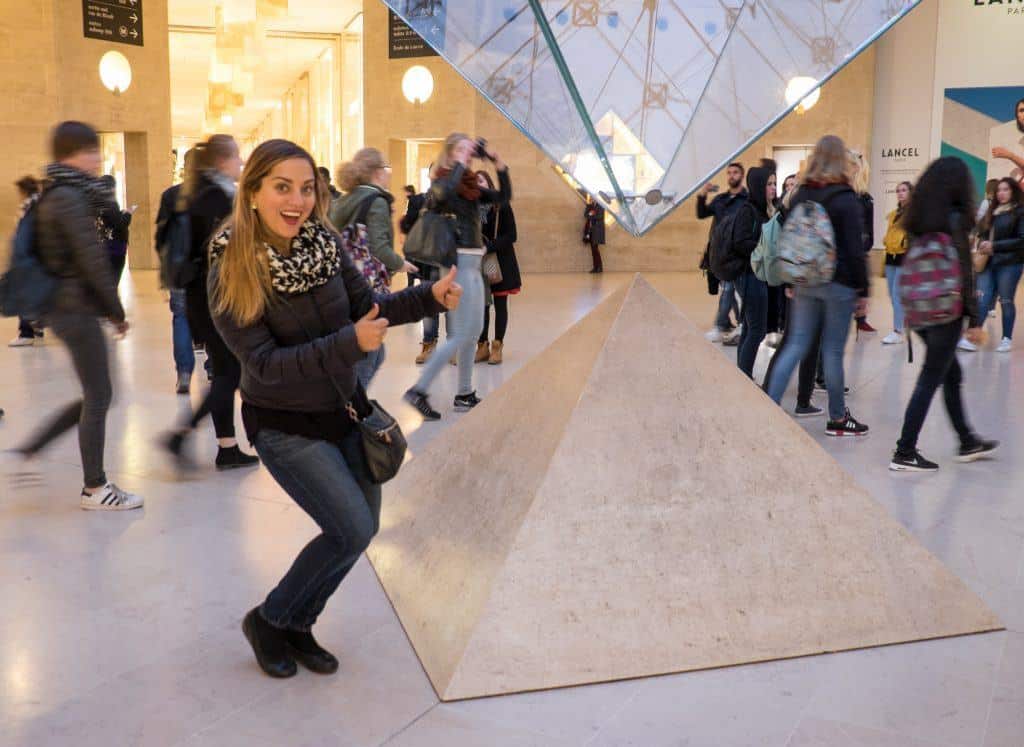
x=122, y=629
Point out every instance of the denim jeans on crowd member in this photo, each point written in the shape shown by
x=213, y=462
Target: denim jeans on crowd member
x=754, y=318
x=367, y=368
x=465, y=324
x=892, y=279
x=1001, y=280
x=181, y=335
x=331, y=483
x=726, y=302
x=823, y=310
x=940, y=368
x=85, y=341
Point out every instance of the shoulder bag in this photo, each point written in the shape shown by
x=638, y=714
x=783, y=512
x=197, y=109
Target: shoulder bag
x=432, y=239
x=491, y=266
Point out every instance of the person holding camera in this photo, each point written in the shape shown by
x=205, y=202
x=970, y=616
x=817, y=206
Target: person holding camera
x=455, y=191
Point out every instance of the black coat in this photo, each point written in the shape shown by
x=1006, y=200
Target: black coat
x=444, y=197
x=846, y=211
x=168, y=200
x=207, y=210
x=500, y=238
x=1008, y=237
x=412, y=213
x=593, y=224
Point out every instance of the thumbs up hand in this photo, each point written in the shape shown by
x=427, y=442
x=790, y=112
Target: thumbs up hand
x=447, y=292
x=370, y=330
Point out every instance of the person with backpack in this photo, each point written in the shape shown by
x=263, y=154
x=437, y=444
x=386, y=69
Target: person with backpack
x=938, y=221
x=116, y=223
x=67, y=244
x=821, y=254
x=1001, y=241
x=366, y=201
x=28, y=191
x=206, y=197
x=721, y=207
x=860, y=179
x=895, y=243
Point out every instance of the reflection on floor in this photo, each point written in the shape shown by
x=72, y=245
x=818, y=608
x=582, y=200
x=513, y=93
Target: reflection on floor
x=123, y=629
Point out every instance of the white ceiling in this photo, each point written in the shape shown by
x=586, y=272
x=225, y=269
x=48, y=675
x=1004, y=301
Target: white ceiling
x=285, y=60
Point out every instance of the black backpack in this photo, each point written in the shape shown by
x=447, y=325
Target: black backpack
x=726, y=264
x=177, y=267
x=28, y=288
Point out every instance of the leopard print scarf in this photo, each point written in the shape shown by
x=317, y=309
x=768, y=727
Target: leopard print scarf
x=313, y=262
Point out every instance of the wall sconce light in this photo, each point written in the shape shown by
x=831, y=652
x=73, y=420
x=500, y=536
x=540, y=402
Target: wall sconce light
x=805, y=90
x=417, y=84
x=115, y=72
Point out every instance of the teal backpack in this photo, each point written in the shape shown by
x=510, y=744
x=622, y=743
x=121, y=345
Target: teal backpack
x=763, y=260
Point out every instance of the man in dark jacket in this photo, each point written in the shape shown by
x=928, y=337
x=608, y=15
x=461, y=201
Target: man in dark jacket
x=69, y=247
x=720, y=207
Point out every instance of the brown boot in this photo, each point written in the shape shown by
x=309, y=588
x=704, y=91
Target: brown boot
x=483, y=352
x=495, y=359
x=427, y=349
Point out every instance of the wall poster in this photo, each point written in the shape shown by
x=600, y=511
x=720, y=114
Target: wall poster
x=985, y=127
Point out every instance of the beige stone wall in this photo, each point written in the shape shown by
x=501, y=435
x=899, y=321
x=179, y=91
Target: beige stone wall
x=49, y=71
x=548, y=212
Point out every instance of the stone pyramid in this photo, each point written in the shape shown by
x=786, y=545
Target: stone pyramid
x=629, y=504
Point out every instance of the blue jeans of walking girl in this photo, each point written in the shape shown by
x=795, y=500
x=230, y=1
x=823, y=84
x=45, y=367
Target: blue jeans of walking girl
x=1001, y=280
x=466, y=323
x=892, y=279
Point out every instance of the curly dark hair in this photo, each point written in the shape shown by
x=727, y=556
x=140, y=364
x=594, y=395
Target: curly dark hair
x=944, y=188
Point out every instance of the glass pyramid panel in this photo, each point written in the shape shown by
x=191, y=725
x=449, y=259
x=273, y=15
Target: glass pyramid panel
x=640, y=101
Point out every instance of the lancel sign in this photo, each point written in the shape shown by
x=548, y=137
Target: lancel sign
x=1012, y=7
x=900, y=154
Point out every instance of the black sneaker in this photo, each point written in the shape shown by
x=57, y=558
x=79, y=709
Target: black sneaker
x=422, y=404
x=465, y=402
x=819, y=385
x=305, y=649
x=845, y=427
x=807, y=411
x=912, y=462
x=980, y=449
x=231, y=457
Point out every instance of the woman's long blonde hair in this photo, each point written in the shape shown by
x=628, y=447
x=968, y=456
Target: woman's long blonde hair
x=243, y=287
x=859, y=174
x=444, y=159
x=828, y=163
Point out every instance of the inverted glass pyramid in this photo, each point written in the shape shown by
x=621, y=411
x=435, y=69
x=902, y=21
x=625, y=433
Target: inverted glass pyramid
x=641, y=101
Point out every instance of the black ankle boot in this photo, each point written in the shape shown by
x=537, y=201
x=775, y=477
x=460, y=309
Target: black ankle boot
x=231, y=457
x=269, y=644
x=313, y=656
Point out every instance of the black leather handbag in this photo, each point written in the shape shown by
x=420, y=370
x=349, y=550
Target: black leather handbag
x=432, y=240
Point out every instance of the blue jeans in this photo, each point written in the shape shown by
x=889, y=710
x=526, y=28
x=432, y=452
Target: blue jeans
x=184, y=357
x=431, y=324
x=822, y=310
x=464, y=326
x=726, y=303
x=331, y=483
x=754, y=293
x=892, y=278
x=1001, y=280
x=367, y=368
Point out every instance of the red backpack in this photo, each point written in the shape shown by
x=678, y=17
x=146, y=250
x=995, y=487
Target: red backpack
x=931, y=283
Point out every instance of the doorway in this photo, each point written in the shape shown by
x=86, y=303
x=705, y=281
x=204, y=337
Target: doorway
x=790, y=159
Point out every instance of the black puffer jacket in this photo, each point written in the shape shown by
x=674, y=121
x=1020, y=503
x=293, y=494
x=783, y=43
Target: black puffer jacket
x=444, y=197
x=69, y=246
x=1008, y=237
x=283, y=370
x=846, y=212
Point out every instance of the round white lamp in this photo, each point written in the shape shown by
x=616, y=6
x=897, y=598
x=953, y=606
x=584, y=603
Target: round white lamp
x=803, y=90
x=115, y=72
x=417, y=84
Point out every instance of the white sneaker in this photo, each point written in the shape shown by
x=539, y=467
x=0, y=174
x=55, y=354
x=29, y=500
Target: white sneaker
x=1005, y=346
x=109, y=498
x=734, y=335
x=893, y=338
x=772, y=339
x=966, y=345
x=992, y=314
x=21, y=342
x=714, y=335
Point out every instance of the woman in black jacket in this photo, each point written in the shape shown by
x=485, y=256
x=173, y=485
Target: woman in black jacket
x=208, y=195
x=1002, y=234
x=593, y=231
x=499, y=230
x=299, y=316
x=116, y=223
x=943, y=203
x=750, y=217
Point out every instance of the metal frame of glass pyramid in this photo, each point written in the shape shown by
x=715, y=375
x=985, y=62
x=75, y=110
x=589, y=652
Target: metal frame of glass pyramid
x=640, y=102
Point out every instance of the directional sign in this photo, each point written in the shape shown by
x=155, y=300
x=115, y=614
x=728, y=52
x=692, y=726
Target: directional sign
x=113, y=20
x=404, y=42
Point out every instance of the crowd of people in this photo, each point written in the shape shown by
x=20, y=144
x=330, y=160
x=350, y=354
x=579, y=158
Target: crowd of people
x=284, y=282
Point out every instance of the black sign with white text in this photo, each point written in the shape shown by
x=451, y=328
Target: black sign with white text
x=113, y=20
x=403, y=42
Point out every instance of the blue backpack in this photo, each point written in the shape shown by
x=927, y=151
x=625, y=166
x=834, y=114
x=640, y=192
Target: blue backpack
x=28, y=288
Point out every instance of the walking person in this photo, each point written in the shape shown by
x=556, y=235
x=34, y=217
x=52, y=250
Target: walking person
x=116, y=223
x=208, y=194
x=29, y=189
x=718, y=209
x=593, y=232
x=1001, y=239
x=365, y=181
x=895, y=243
x=943, y=204
x=752, y=291
x=68, y=244
x=824, y=311
x=298, y=315
x=861, y=181
x=499, y=232
x=456, y=191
